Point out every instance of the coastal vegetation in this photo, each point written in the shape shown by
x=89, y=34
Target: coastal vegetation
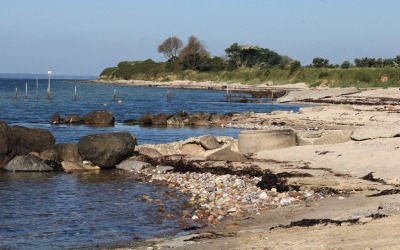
x=254, y=65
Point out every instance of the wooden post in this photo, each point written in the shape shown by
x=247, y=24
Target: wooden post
x=26, y=90
x=16, y=93
x=75, y=94
x=115, y=94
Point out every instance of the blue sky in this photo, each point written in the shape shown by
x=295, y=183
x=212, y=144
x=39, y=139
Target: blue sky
x=83, y=37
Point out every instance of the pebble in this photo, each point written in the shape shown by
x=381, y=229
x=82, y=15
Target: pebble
x=213, y=197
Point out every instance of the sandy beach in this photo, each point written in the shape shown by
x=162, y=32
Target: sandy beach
x=347, y=155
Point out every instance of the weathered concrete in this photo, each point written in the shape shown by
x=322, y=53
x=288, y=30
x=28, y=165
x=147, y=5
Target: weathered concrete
x=252, y=141
x=376, y=131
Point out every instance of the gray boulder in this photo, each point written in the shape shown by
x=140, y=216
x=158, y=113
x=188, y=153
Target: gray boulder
x=108, y=149
x=209, y=142
x=150, y=152
x=226, y=154
x=68, y=152
x=8, y=147
x=135, y=166
x=27, y=163
x=99, y=117
x=32, y=139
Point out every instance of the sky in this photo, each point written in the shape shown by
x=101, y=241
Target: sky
x=83, y=37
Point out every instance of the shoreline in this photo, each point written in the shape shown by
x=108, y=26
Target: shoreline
x=349, y=171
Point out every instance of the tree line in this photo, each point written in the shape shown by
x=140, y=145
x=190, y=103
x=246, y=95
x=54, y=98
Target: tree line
x=194, y=56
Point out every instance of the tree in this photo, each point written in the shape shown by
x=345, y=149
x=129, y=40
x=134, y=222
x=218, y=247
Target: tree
x=345, y=65
x=319, y=62
x=171, y=47
x=194, y=54
x=250, y=56
x=294, y=66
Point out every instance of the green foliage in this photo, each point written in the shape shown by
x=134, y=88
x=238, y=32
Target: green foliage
x=345, y=65
x=319, y=62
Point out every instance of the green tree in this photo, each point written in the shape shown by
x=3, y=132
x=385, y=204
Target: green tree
x=252, y=56
x=345, y=65
x=319, y=62
x=294, y=66
x=171, y=48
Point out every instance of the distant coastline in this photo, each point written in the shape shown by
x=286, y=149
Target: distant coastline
x=44, y=76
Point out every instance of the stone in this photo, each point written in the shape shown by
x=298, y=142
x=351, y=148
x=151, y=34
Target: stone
x=150, y=152
x=49, y=154
x=135, y=166
x=73, y=119
x=32, y=139
x=164, y=169
x=299, y=95
x=8, y=147
x=107, y=149
x=27, y=163
x=55, y=119
x=146, y=119
x=68, y=152
x=192, y=149
x=160, y=119
x=99, y=117
x=68, y=166
x=209, y=142
x=226, y=154
x=253, y=141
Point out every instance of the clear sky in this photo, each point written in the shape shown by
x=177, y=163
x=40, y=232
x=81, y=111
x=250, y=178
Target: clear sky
x=83, y=37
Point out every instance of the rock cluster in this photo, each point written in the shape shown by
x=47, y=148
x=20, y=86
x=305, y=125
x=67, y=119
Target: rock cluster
x=98, y=117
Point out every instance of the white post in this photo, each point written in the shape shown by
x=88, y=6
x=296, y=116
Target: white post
x=37, y=88
x=26, y=90
x=48, y=86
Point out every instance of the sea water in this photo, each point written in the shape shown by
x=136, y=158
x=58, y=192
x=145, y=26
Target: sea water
x=79, y=210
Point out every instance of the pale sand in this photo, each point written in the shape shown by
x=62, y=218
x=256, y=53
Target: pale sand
x=338, y=166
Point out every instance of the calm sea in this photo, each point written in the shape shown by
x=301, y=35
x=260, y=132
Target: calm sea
x=63, y=211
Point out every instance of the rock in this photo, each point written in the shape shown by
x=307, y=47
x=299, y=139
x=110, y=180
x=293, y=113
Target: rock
x=226, y=154
x=164, y=169
x=108, y=149
x=99, y=117
x=192, y=149
x=323, y=137
x=253, y=141
x=369, y=132
x=32, y=139
x=27, y=163
x=135, y=166
x=68, y=166
x=73, y=119
x=160, y=119
x=209, y=142
x=150, y=152
x=220, y=119
x=49, y=154
x=8, y=147
x=146, y=119
x=68, y=152
x=200, y=123
x=55, y=119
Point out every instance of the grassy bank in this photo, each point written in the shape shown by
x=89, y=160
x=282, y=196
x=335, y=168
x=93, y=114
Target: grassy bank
x=333, y=77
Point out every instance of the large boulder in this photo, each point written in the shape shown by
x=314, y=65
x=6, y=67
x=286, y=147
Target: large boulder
x=8, y=147
x=192, y=149
x=107, y=149
x=27, y=163
x=32, y=139
x=226, y=154
x=160, y=119
x=99, y=117
x=68, y=152
x=73, y=119
x=146, y=119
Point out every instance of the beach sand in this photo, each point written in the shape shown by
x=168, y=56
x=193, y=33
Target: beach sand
x=365, y=164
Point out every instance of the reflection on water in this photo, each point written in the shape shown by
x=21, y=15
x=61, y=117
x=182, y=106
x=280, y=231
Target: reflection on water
x=59, y=210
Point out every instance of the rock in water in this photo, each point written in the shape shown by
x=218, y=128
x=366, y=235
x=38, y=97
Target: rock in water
x=27, y=163
x=8, y=148
x=32, y=139
x=209, y=142
x=99, y=117
x=106, y=150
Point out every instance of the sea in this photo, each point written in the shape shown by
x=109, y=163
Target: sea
x=86, y=210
